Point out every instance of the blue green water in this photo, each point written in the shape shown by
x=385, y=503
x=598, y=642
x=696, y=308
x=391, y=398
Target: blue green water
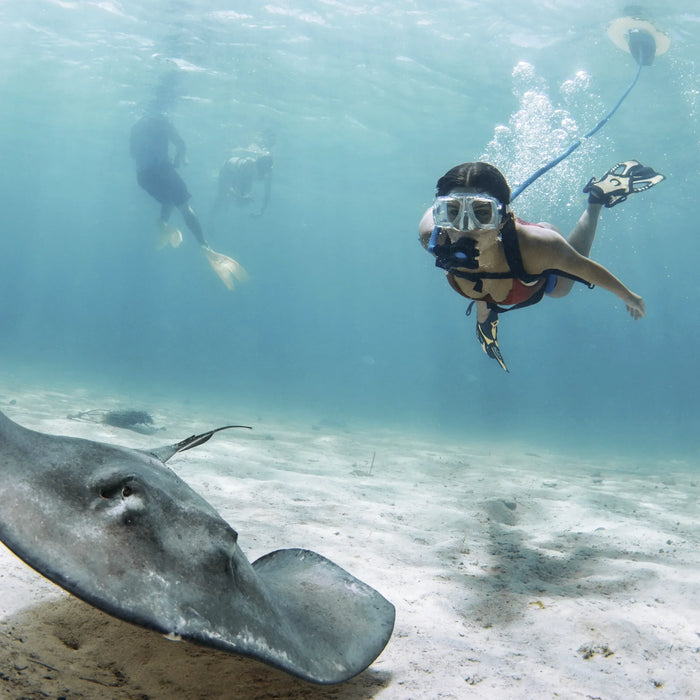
x=344, y=317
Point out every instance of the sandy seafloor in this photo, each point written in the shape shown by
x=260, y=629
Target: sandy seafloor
x=515, y=572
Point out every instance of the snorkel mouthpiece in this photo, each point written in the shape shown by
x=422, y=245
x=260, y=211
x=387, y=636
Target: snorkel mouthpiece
x=460, y=254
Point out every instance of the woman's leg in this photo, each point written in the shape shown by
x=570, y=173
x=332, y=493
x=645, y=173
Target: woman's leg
x=192, y=222
x=165, y=211
x=581, y=240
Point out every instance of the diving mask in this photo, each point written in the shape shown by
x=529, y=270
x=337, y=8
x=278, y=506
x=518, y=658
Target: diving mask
x=466, y=212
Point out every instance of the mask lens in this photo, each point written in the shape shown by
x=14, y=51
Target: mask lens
x=484, y=211
x=453, y=209
x=447, y=211
x=465, y=212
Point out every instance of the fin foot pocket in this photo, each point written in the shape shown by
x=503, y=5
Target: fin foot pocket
x=622, y=180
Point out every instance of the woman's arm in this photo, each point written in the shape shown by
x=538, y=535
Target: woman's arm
x=546, y=250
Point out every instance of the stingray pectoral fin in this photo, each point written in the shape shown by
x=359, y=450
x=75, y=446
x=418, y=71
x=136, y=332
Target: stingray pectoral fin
x=342, y=623
x=166, y=452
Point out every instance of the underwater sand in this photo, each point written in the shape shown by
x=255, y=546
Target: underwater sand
x=516, y=573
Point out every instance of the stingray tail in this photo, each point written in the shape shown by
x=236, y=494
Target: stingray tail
x=165, y=453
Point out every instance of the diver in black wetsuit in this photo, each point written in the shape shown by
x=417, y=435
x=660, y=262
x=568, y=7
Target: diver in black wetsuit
x=150, y=141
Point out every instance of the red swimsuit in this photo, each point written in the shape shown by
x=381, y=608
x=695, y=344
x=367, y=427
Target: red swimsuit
x=519, y=292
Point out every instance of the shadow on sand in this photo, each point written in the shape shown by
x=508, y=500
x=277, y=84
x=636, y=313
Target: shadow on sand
x=64, y=648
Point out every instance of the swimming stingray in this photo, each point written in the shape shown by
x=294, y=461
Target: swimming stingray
x=119, y=529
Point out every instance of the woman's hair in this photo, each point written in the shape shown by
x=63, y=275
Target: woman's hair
x=483, y=176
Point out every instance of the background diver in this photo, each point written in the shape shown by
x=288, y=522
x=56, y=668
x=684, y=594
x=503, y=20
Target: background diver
x=498, y=261
x=150, y=141
x=239, y=174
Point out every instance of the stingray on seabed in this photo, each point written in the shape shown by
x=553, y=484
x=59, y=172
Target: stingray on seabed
x=119, y=529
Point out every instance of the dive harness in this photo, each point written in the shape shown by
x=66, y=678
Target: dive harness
x=460, y=260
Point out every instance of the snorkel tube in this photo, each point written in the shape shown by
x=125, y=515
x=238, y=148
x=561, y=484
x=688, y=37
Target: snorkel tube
x=432, y=243
x=644, y=42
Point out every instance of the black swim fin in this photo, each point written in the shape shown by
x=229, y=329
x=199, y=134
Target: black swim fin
x=486, y=333
x=628, y=177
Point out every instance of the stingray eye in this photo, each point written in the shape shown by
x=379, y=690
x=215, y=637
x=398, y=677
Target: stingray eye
x=108, y=492
x=119, y=489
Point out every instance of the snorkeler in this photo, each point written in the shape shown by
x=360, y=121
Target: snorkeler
x=499, y=261
x=240, y=172
x=150, y=141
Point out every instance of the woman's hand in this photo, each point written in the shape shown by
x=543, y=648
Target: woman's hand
x=636, y=306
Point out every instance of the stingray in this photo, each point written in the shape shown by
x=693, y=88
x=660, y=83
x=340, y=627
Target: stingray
x=119, y=529
x=129, y=419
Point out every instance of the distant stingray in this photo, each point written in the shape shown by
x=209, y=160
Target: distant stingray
x=119, y=529
x=130, y=419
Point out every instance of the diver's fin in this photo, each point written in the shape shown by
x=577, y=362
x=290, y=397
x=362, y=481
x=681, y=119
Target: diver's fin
x=486, y=333
x=168, y=235
x=620, y=181
x=227, y=268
